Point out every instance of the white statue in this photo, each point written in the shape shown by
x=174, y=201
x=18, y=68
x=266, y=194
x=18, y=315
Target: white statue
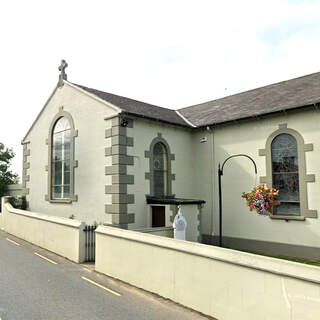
x=179, y=226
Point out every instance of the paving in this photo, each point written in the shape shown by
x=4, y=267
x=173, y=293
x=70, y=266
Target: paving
x=38, y=284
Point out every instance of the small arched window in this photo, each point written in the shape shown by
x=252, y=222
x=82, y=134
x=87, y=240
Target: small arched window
x=160, y=174
x=160, y=170
x=285, y=173
x=60, y=159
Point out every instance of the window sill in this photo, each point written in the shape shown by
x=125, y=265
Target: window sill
x=287, y=218
x=60, y=201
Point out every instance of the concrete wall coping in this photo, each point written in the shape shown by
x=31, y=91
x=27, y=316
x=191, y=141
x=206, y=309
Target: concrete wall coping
x=40, y=216
x=247, y=260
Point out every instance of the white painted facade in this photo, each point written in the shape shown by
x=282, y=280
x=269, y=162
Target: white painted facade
x=195, y=167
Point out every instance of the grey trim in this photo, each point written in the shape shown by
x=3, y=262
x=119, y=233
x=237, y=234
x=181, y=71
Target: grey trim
x=123, y=198
x=304, y=178
x=116, y=169
x=114, y=150
x=149, y=154
x=122, y=219
x=119, y=140
x=130, y=142
x=120, y=208
x=126, y=179
x=265, y=247
x=25, y=167
x=116, y=188
x=120, y=160
x=287, y=218
x=73, y=162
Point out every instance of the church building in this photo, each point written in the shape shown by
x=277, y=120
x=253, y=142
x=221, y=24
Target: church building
x=100, y=157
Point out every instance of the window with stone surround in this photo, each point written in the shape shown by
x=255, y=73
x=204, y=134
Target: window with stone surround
x=285, y=173
x=60, y=160
x=286, y=170
x=160, y=170
x=160, y=174
x=61, y=163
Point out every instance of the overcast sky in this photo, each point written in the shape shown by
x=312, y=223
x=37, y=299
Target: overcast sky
x=169, y=53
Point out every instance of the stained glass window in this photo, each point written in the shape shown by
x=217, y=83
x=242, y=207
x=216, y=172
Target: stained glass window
x=60, y=162
x=285, y=173
x=160, y=169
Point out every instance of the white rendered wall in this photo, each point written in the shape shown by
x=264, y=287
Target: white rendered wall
x=180, y=143
x=90, y=179
x=238, y=176
x=60, y=235
x=222, y=283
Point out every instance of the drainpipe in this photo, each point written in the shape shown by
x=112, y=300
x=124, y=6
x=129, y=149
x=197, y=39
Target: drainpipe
x=212, y=166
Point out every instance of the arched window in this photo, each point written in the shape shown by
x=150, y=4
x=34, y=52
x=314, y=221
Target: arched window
x=286, y=170
x=160, y=175
x=60, y=160
x=160, y=170
x=285, y=173
x=61, y=164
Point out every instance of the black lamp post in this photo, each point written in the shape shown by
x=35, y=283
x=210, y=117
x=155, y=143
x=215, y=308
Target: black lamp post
x=220, y=173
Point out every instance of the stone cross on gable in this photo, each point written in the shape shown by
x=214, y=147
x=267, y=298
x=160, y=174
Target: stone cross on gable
x=62, y=75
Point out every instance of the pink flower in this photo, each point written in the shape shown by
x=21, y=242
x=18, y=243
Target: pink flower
x=251, y=204
x=271, y=201
x=268, y=206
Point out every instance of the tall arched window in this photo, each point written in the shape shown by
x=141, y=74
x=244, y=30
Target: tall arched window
x=61, y=164
x=60, y=160
x=160, y=170
x=285, y=173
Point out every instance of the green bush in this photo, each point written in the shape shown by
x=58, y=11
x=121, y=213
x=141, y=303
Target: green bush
x=18, y=202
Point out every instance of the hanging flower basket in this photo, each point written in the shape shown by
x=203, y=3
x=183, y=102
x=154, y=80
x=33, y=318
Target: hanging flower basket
x=262, y=200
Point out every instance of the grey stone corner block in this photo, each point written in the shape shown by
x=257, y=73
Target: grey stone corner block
x=120, y=208
x=130, y=142
x=122, y=218
x=119, y=131
x=310, y=178
x=123, y=198
x=147, y=154
x=308, y=147
x=263, y=179
x=126, y=179
x=116, y=169
x=311, y=214
x=119, y=140
x=122, y=159
x=117, y=188
x=262, y=152
x=116, y=150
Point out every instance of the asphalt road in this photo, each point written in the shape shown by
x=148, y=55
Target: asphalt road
x=33, y=288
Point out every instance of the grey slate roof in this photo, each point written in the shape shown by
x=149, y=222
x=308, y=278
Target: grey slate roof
x=138, y=108
x=276, y=97
x=286, y=95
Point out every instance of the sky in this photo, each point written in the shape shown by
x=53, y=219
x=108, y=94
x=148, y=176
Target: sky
x=168, y=53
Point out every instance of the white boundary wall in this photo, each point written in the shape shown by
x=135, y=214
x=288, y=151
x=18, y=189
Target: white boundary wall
x=60, y=235
x=223, y=283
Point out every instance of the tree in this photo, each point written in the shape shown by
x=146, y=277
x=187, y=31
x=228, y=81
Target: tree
x=6, y=176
